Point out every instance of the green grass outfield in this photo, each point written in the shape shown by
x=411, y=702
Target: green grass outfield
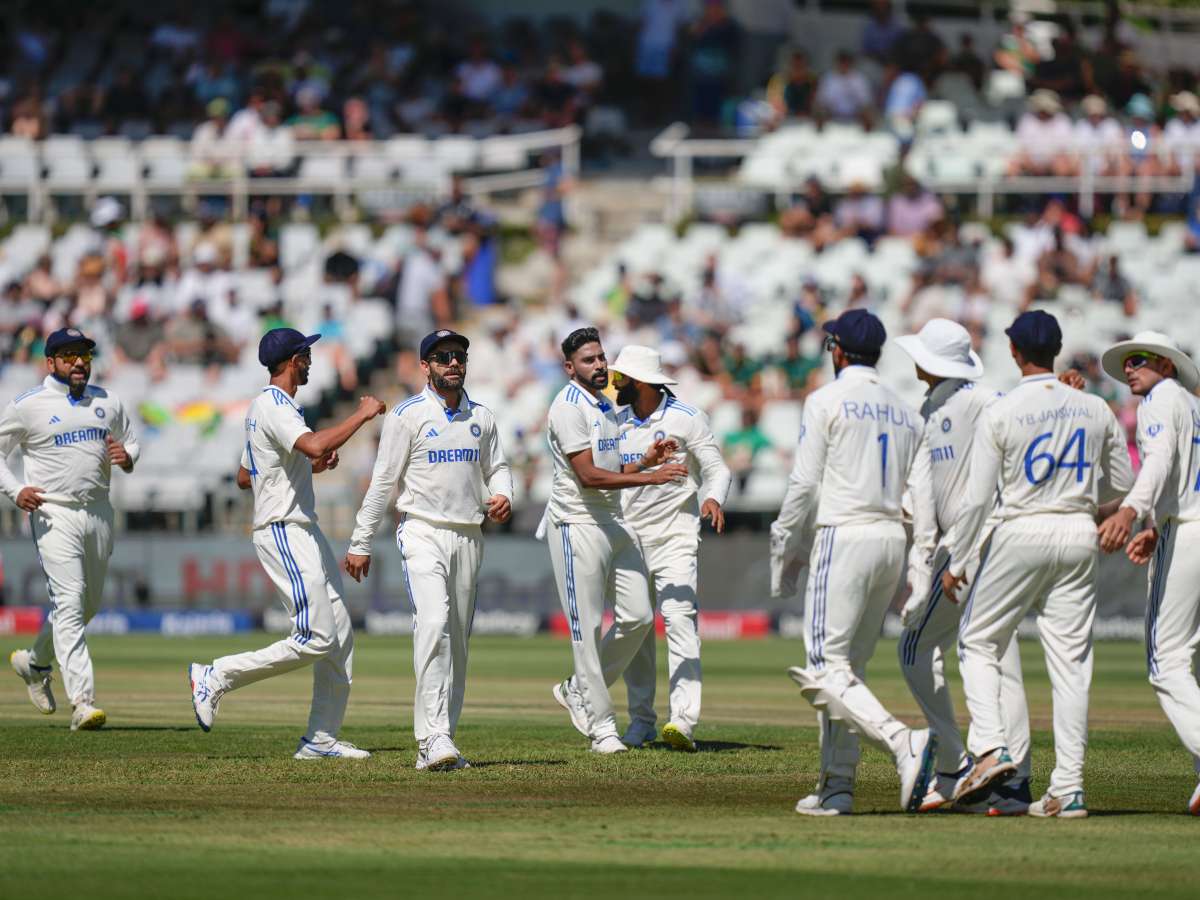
x=150, y=806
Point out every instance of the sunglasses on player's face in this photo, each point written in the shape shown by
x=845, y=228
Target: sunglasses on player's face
x=445, y=357
x=829, y=343
x=73, y=356
x=1137, y=360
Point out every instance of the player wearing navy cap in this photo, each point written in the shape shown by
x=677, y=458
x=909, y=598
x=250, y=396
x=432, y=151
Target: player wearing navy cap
x=857, y=444
x=70, y=434
x=1045, y=445
x=281, y=455
x=443, y=449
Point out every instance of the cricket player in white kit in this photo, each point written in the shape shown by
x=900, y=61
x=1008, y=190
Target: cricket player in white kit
x=944, y=360
x=281, y=455
x=1046, y=446
x=858, y=441
x=70, y=435
x=443, y=450
x=592, y=551
x=666, y=520
x=1166, y=497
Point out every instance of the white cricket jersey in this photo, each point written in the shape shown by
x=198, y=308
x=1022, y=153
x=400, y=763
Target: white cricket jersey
x=280, y=475
x=1047, y=446
x=858, y=441
x=659, y=510
x=447, y=461
x=63, y=441
x=578, y=421
x=1168, y=439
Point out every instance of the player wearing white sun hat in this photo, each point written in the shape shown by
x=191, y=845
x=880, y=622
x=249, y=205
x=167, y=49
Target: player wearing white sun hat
x=666, y=520
x=953, y=405
x=1166, y=499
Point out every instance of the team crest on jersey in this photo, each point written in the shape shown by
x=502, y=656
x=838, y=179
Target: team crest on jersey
x=99, y=412
x=1153, y=430
x=660, y=435
x=945, y=425
x=476, y=430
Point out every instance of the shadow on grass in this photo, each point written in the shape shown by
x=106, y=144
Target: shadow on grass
x=151, y=728
x=725, y=746
x=483, y=764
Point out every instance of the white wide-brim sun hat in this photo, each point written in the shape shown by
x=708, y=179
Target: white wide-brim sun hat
x=642, y=364
x=943, y=349
x=1113, y=360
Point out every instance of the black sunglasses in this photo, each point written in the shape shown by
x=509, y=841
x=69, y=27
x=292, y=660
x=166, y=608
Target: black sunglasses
x=445, y=357
x=829, y=343
x=1137, y=360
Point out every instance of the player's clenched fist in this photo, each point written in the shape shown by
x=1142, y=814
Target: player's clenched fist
x=499, y=508
x=29, y=498
x=357, y=565
x=369, y=407
x=117, y=455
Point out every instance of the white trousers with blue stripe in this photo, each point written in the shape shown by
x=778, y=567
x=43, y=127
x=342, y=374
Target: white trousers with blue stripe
x=1173, y=629
x=302, y=566
x=1045, y=564
x=922, y=651
x=591, y=562
x=672, y=564
x=441, y=568
x=854, y=571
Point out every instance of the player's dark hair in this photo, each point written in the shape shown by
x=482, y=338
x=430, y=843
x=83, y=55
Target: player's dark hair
x=1042, y=357
x=278, y=368
x=861, y=359
x=577, y=339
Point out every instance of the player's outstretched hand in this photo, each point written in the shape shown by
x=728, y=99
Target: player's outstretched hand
x=327, y=462
x=369, y=407
x=1072, y=378
x=659, y=451
x=117, y=454
x=668, y=472
x=1141, y=548
x=357, y=566
x=710, y=509
x=950, y=584
x=919, y=581
x=29, y=498
x=1115, y=530
x=499, y=508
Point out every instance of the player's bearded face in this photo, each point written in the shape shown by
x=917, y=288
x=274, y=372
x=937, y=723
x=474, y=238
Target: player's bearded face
x=627, y=392
x=451, y=376
x=303, y=361
x=71, y=367
x=590, y=366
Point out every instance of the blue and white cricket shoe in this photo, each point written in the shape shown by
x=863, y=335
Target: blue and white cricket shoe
x=306, y=749
x=994, y=767
x=1069, y=806
x=205, y=695
x=1011, y=799
x=914, y=764
x=568, y=696
x=940, y=793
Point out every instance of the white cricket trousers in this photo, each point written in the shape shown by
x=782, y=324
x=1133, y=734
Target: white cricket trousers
x=73, y=544
x=302, y=566
x=923, y=648
x=1047, y=564
x=672, y=566
x=587, y=559
x=854, y=571
x=441, y=567
x=1173, y=629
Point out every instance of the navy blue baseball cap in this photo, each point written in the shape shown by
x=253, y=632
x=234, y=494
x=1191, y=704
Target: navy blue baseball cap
x=432, y=339
x=280, y=344
x=1035, y=330
x=65, y=337
x=857, y=331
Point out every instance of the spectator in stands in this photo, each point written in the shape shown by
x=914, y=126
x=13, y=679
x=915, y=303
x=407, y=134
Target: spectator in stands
x=1068, y=72
x=616, y=301
x=1098, y=137
x=741, y=368
x=193, y=339
x=1110, y=285
x=744, y=445
x=1057, y=267
x=210, y=79
x=967, y=61
x=211, y=154
x=479, y=75
x=423, y=296
x=555, y=98
x=859, y=295
x=1006, y=276
x=332, y=328
x=661, y=24
x=809, y=307
x=203, y=281
x=791, y=93
x=1182, y=133
x=649, y=302
x=551, y=223
x=311, y=122
x=1044, y=138
x=859, y=213
x=356, y=120
x=583, y=73
x=676, y=327
x=1126, y=81
x=912, y=209
x=797, y=368
x=246, y=125
x=714, y=60
x=844, y=94
x=17, y=312
x=1141, y=158
x=123, y=100
x=156, y=238
x=905, y=96
x=141, y=337
x=919, y=48
x=28, y=117
x=511, y=100
x=272, y=151
x=1017, y=53
x=40, y=283
x=881, y=32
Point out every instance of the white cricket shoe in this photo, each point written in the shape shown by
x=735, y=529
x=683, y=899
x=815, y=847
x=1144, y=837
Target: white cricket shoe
x=638, y=734
x=570, y=699
x=608, y=744
x=996, y=766
x=678, y=738
x=914, y=764
x=438, y=754
x=37, y=680
x=423, y=763
x=1069, y=806
x=940, y=793
x=1194, y=803
x=834, y=797
x=335, y=749
x=87, y=718
x=205, y=695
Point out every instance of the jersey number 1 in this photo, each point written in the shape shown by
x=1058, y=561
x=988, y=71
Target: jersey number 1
x=883, y=442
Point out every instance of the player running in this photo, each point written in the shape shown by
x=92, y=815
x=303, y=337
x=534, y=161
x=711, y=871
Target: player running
x=1166, y=497
x=443, y=449
x=278, y=463
x=953, y=404
x=1045, y=444
x=857, y=444
x=70, y=434
x=591, y=548
x=667, y=523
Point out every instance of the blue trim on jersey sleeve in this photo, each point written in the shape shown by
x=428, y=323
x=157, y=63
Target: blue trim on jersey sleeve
x=405, y=404
x=672, y=403
x=28, y=393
